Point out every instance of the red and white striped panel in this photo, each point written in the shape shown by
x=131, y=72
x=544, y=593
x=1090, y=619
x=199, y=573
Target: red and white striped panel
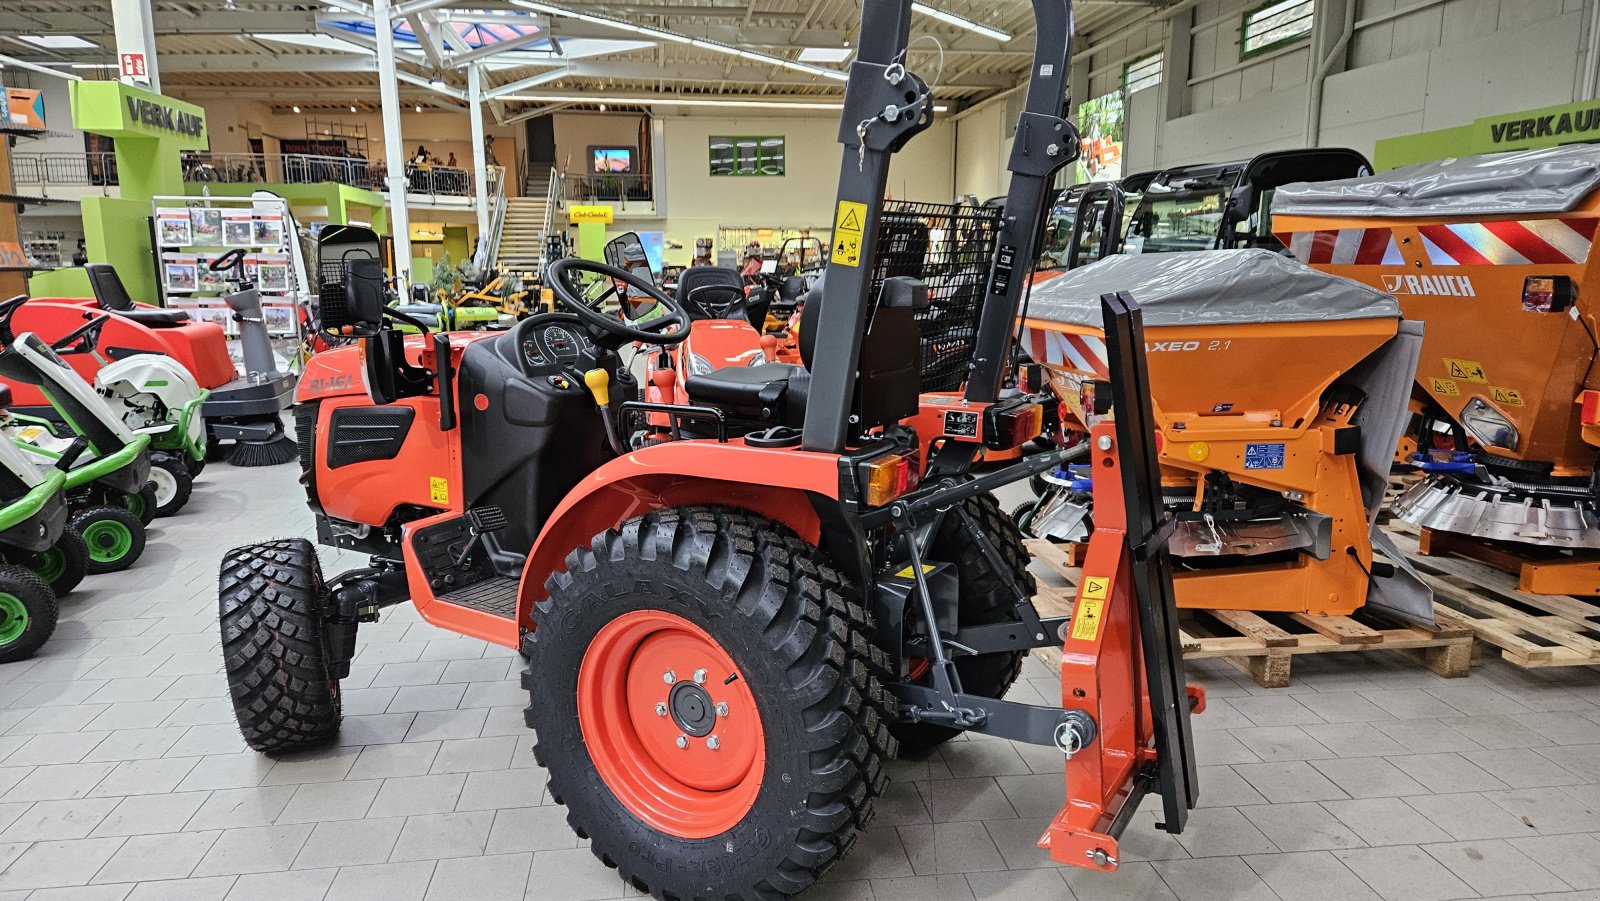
x=1542, y=242
x=1347, y=247
x=1532, y=242
x=1064, y=350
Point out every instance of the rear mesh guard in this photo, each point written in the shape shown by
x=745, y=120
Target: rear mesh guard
x=949, y=247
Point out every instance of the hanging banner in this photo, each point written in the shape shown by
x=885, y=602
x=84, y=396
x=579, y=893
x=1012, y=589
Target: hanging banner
x=25, y=108
x=1100, y=128
x=598, y=213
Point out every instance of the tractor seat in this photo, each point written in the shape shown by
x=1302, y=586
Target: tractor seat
x=768, y=394
x=112, y=296
x=154, y=317
x=5, y=396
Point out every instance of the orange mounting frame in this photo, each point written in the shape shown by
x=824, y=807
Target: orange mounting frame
x=1103, y=672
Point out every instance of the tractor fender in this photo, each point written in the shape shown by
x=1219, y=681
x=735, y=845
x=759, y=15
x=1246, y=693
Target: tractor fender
x=778, y=483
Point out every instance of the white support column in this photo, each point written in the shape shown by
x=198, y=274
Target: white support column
x=134, y=24
x=394, y=149
x=480, y=164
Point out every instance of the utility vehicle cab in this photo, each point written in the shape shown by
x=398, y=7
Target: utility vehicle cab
x=1214, y=206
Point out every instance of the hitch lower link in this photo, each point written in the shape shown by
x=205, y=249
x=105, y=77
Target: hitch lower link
x=1069, y=730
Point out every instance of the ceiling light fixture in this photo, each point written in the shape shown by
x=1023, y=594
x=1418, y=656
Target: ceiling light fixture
x=419, y=107
x=960, y=22
x=296, y=110
x=57, y=41
x=713, y=46
x=825, y=54
x=93, y=66
x=695, y=101
x=352, y=107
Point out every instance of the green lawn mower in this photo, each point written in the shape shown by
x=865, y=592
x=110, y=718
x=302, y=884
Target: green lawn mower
x=108, y=481
x=41, y=555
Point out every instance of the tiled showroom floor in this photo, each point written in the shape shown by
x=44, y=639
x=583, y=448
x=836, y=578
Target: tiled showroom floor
x=122, y=775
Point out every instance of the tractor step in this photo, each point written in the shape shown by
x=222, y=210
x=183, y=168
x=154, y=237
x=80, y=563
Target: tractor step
x=496, y=596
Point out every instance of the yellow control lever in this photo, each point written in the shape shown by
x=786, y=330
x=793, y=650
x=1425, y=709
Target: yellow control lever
x=599, y=383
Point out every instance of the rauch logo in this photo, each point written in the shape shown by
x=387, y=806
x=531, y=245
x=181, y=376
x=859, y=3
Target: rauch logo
x=1429, y=285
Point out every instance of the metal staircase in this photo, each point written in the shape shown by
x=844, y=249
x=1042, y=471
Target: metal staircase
x=528, y=219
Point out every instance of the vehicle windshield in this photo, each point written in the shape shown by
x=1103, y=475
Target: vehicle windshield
x=1170, y=221
x=1057, y=235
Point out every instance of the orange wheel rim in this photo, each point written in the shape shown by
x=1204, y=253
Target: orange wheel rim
x=671, y=724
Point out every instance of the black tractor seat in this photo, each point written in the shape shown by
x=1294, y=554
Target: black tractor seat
x=767, y=394
x=5, y=396
x=112, y=296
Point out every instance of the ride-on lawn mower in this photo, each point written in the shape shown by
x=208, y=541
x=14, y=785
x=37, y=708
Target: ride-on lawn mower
x=729, y=635
x=44, y=557
x=243, y=408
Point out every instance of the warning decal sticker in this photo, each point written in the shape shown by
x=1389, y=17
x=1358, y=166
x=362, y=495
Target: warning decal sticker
x=1086, y=622
x=1507, y=396
x=439, y=490
x=848, y=226
x=1470, y=370
x=1446, y=387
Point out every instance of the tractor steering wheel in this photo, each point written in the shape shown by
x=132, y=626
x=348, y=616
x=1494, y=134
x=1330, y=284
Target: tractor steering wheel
x=233, y=259
x=671, y=327
x=83, y=339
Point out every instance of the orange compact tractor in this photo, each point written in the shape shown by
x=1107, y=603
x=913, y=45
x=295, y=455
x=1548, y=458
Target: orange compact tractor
x=728, y=635
x=1279, y=393
x=1493, y=253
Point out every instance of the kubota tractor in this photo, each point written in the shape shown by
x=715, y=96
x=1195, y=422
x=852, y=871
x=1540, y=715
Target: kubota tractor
x=729, y=634
x=1494, y=254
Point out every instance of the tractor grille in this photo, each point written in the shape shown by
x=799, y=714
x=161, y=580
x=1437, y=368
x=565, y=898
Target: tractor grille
x=949, y=247
x=305, y=433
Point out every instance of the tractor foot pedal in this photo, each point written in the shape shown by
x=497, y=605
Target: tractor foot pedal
x=484, y=520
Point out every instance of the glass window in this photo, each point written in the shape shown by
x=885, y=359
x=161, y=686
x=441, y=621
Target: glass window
x=1275, y=24
x=1142, y=73
x=747, y=155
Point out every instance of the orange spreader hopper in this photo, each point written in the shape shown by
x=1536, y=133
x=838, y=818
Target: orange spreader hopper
x=1495, y=254
x=1279, y=393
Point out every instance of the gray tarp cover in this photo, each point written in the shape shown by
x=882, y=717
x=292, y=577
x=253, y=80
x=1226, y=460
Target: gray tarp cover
x=1553, y=180
x=1213, y=287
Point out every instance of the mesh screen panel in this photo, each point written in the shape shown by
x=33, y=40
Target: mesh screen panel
x=949, y=247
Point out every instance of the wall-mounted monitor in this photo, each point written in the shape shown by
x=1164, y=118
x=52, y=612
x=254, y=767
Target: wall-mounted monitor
x=610, y=160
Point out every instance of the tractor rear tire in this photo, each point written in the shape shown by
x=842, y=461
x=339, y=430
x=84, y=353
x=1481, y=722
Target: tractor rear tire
x=28, y=613
x=171, y=483
x=692, y=783
x=985, y=599
x=115, y=537
x=270, y=598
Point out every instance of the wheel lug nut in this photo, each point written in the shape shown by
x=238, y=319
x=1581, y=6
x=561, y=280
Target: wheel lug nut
x=669, y=677
x=722, y=708
x=682, y=742
x=699, y=677
x=713, y=743
x=661, y=708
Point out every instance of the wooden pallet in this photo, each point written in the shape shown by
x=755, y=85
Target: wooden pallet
x=1530, y=630
x=1264, y=646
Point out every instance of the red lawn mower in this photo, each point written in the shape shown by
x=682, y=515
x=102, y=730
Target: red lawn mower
x=729, y=635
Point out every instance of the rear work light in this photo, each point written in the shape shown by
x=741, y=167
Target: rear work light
x=1012, y=424
x=882, y=479
x=1548, y=293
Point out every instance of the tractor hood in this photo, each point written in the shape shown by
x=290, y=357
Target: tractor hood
x=1553, y=180
x=1214, y=287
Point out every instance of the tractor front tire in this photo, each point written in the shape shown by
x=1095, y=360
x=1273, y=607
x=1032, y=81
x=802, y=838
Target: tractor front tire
x=171, y=484
x=27, y=613
x=62, y=565
x=270, y=599
x=115, y=537
x=985, y=599
x=709, y=705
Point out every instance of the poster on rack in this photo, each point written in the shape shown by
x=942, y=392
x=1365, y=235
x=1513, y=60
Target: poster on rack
x=207, y=226
x=272, y=273
x=1101, y=123
x=237, y=228
x=279, y=317
x=267, y=230
x=174, y=228
x=209, y=281
x=180, y=272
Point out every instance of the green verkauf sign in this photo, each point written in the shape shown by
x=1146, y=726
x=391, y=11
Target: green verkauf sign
x=123, y=111
x=1572, y=123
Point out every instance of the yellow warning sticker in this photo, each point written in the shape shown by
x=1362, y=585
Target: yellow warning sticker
x=1096, y=587
x=906, y=573
x=1446, y=388
x=848, y=226
x=1507, y=396
x=1471, y=370
x=439, y=490
x=1086, y=622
